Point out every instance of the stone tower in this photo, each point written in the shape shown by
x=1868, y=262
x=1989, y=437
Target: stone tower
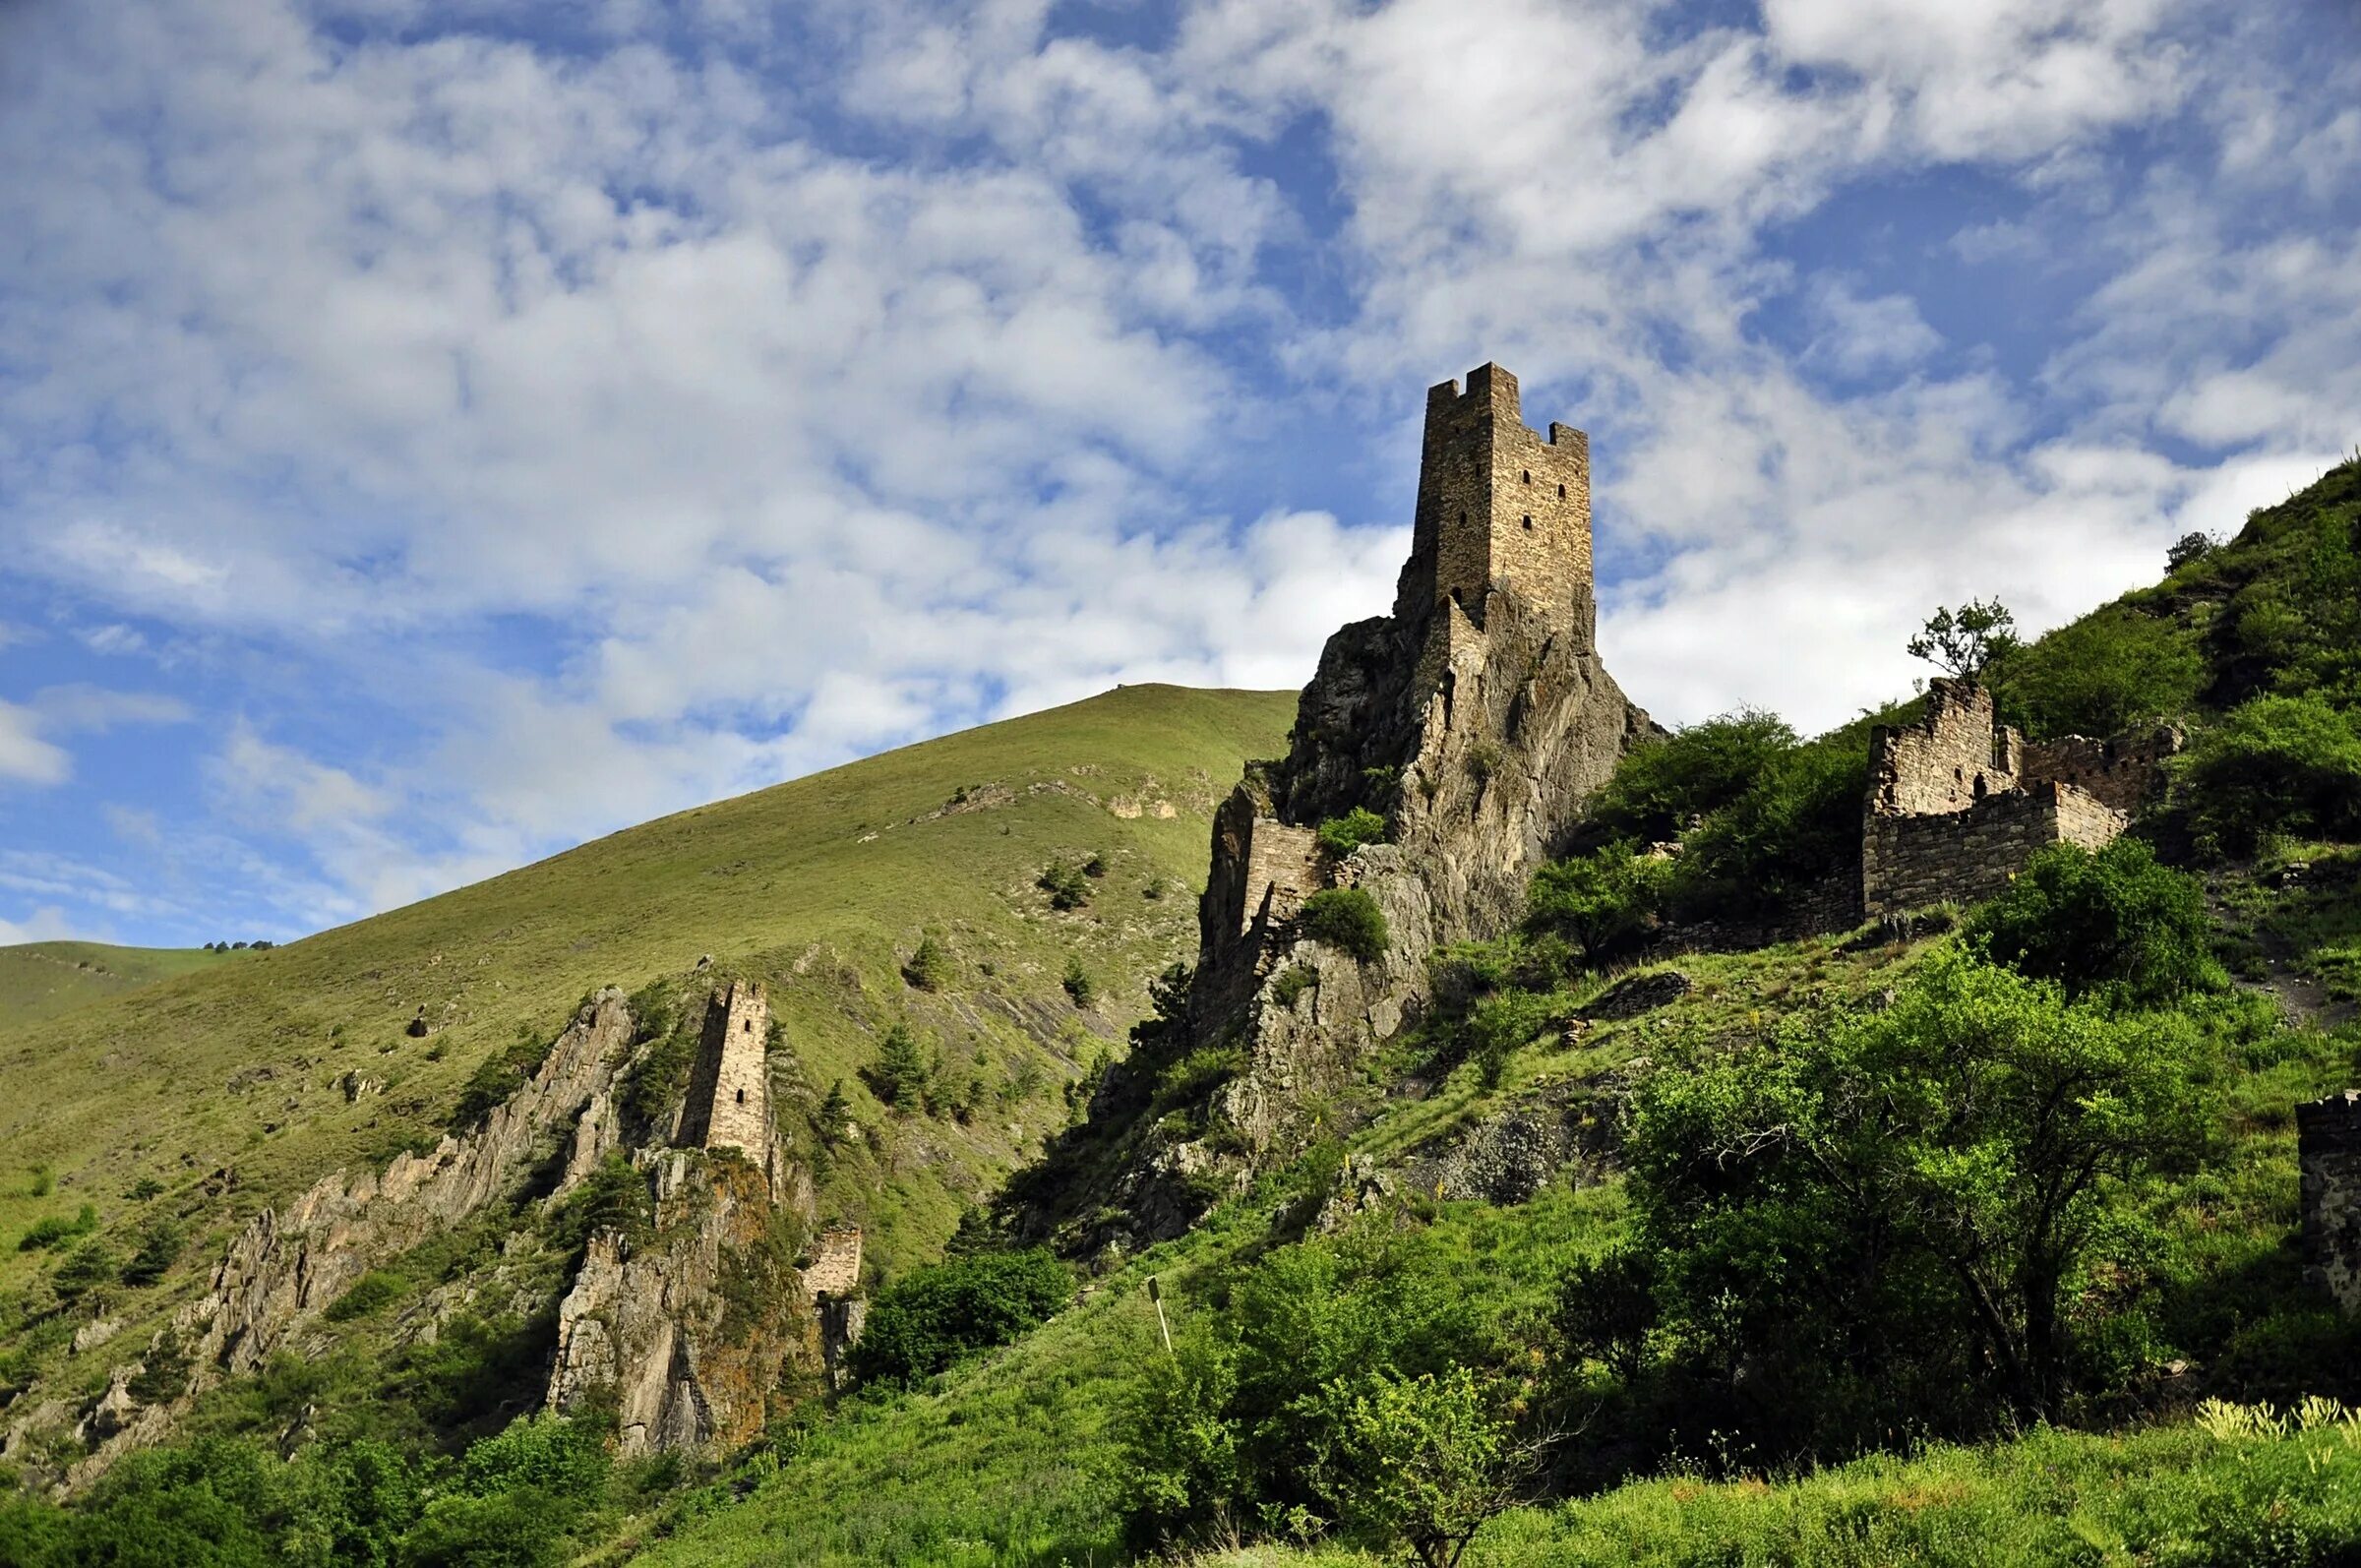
x=1498, y=506
x=729, y=1091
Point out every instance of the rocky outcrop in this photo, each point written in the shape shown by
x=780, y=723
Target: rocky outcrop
x=1506, y=1157
x=1476, y=719
x=701, y=1331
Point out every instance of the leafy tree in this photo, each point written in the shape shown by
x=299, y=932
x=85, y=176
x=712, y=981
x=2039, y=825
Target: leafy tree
x=2189, y=547
x=1606, y=1308
x=1661, y=786
x=2115, y=925
x=929, y=968
x=1962, y=642
x=2276, y=764
x=1425, y=1460
x=1902, y=1196
x=930, y=1318
x=1348, y=920
x=1340, y=836
x=1078, y=985
x=902, y=1071
x=1603, y=902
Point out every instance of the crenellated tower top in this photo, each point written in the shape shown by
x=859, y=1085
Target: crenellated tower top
x=1498, y=506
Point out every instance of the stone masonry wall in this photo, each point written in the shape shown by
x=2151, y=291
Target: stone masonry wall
x=2121, y=773
x=835, y=1263
x=1498, y=505
x=1947, y=761
x=729, y=1091
x=1911, y=862
x=2328, y=1144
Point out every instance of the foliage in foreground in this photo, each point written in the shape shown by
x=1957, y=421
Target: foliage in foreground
x=2114, y=925
x=1886, y=1212
x=527, y=1497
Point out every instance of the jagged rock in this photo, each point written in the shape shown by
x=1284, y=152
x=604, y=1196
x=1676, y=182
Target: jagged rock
x=357, y=1087
x=287, y=1265
x=1505, y=1158
x=663, y=1327
x=92, y=1335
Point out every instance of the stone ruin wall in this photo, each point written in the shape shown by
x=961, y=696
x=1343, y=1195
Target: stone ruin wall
x=2121, y=773
x=2328, y=1144
x=835, y=1263
x=1955, y=755
x=1959, y=804
x=729, y=1091
x=1911, y=862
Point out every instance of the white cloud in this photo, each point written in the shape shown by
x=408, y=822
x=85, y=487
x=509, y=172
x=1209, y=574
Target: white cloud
x=25, y=757
x=607, y=419
x=47, y=924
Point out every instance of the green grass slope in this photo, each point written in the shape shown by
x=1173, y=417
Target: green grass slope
x=823, y=885
x=40, y=979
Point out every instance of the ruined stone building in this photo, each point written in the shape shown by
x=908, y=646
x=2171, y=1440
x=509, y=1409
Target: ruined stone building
x=729, y=1088
x=2329, y=1153
x=1958, y=803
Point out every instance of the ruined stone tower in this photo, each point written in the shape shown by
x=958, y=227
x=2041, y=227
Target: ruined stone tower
x=729, y=1091
x=1474, y=719
x=1498, y=506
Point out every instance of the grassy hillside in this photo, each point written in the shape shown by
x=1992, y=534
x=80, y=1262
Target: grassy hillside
x=40, y=979
x=826, y=885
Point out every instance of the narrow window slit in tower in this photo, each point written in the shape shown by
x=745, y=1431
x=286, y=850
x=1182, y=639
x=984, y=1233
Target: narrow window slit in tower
x=1528, y=522
x=1561, y=491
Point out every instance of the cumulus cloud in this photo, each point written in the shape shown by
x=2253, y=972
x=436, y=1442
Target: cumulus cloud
x=627, y=424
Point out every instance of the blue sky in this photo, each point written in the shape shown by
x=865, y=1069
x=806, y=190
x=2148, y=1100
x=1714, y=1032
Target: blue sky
x=431, y=435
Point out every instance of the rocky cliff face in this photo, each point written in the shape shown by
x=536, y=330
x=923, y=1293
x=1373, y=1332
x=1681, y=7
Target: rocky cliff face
x=701, y=1331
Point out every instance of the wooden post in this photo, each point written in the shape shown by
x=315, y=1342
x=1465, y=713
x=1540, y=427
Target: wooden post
x=1155, y=1294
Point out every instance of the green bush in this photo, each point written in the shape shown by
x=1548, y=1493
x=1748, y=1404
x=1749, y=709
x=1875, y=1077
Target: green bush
x=922, y=1323
x=613, y=1196
x=1066, y=884
x=366, y=1294
x=55, y=1228
x=1799, y=821
x=1299, y=1398
x=2113, y=924
x=1347, y=918
x=2276, y=764
x=1661, y=786
x=2102, y=674
x=1292, y=982
x=1604, y=903
x=498, y=1076
x=1340, y=836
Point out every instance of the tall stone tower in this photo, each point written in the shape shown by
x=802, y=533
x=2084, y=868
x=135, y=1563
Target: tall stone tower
x=728, y=1090
x=1498, y=506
